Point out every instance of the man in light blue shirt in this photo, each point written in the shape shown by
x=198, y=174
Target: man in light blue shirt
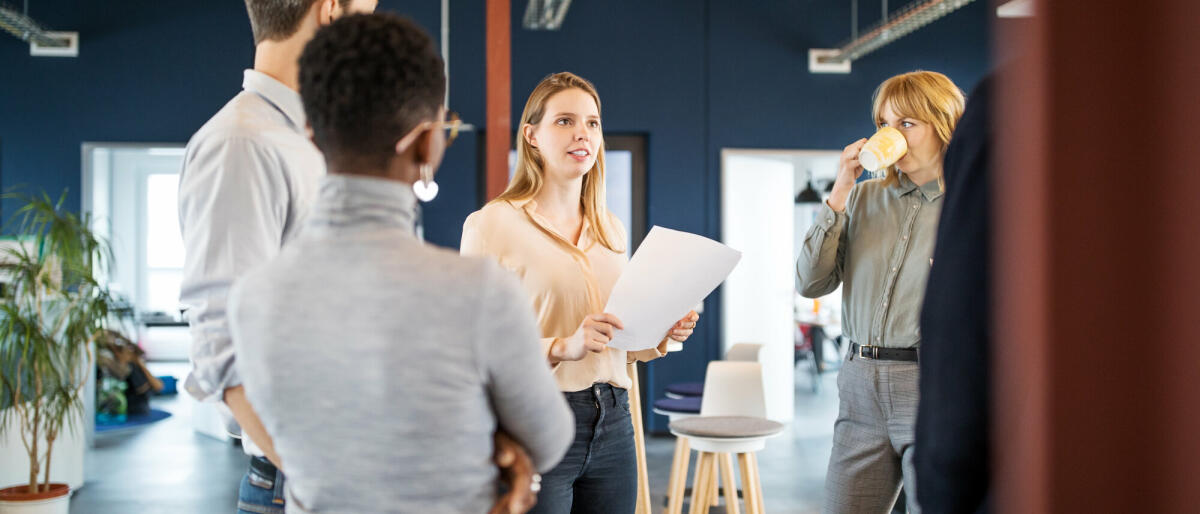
x=248, y=177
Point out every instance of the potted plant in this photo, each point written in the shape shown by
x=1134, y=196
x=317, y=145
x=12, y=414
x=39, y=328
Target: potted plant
x=52, y=308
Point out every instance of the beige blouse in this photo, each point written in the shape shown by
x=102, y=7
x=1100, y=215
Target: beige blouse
x=565, y=281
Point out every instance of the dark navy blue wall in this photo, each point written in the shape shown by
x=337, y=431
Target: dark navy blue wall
x=694, y=76
x=147, y=71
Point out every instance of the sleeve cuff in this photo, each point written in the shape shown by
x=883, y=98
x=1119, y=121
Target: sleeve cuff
x=827, y=218
x=208, y=391
x=651, y=353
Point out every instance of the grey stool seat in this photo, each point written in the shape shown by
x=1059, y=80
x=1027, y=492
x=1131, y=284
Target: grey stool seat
x=726, y=427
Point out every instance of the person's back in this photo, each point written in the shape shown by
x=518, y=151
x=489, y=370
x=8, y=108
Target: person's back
x=381, y=367
x=378, y=360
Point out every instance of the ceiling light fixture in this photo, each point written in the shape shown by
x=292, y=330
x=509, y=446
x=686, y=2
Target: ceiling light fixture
x=892, y=27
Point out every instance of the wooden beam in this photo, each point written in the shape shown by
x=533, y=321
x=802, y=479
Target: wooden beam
x=1097, y=333
x=499, y=96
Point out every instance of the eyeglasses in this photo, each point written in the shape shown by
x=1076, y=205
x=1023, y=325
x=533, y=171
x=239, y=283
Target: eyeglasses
x=452, y=125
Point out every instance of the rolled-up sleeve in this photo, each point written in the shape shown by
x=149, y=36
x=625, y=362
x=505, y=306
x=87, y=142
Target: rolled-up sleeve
x=524, y=394
x=232, y=210
x=822, y=256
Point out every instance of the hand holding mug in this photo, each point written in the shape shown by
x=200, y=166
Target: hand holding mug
x=848, y=171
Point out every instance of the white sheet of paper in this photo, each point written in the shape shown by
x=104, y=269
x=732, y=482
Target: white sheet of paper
x=670, y=273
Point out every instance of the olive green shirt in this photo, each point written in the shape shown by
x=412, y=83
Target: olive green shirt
x=881, y=249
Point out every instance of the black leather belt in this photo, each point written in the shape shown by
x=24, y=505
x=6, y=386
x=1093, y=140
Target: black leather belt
x=880, y=353
x=263, y=468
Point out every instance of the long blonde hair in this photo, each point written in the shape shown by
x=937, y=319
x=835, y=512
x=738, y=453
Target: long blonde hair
x=927, y=96
x=529, y=175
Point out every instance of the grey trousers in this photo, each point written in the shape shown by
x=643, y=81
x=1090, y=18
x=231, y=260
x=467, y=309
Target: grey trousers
x=873, y=437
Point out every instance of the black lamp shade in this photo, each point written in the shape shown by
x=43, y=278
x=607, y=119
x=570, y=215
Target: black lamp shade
x=808, y=195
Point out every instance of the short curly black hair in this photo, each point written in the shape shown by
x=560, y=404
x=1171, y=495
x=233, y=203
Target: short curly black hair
x=366, y=80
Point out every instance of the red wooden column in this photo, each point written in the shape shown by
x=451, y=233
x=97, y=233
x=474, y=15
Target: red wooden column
x=1097, y=255
x=499, y=96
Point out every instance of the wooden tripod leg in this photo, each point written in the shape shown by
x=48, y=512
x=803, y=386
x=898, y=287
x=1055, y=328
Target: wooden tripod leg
x=731, y=497
x=639, y=441
x=714, y=486
x=700, y=483
x=758, y=494
x=748, y=485
x=678, y=480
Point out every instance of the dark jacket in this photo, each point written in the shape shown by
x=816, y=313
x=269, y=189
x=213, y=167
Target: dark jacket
x=952, y=435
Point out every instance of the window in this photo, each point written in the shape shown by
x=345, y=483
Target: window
x=131, y=191
x=163, y=244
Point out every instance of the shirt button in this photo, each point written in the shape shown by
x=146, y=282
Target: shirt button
x=904, y=238
x=894, y=269
x=885, y=303
x=916, y=206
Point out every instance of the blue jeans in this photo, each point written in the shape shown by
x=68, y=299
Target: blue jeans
x=260, y=494
x=599, y=473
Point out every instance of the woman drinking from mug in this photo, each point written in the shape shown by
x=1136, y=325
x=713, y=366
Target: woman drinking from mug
x=552, y=228
x=876, y=239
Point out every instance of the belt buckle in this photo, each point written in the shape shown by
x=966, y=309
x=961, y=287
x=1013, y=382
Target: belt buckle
x=873, y=354
x=258, y=480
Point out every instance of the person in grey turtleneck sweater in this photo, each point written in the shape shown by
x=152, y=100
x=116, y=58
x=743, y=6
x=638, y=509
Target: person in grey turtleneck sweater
x=381, y=365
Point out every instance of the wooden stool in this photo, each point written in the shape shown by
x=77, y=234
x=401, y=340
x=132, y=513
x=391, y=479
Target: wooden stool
x=718, y=438
x=676, y=409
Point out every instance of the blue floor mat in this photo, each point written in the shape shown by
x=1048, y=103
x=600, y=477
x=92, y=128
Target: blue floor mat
x=135, y=421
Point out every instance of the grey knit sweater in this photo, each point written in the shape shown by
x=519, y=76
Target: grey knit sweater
x=381, y=366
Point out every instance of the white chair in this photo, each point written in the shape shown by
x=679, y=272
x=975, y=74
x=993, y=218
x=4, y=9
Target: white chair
x=738, y=352
x=732, y=421
x=744, y=352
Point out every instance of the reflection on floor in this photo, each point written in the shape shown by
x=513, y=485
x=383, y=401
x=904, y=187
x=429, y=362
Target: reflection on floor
x=166, y=467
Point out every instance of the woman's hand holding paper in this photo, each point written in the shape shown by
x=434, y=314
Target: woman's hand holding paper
x=593, y=335
x=684, y=327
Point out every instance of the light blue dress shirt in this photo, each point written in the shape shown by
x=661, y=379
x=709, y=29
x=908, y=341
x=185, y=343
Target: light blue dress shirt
x=249, y=175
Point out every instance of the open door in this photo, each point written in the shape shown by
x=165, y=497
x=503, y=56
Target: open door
x=757, y=302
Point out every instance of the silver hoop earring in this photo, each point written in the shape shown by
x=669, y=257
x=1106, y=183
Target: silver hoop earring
x=425, y=188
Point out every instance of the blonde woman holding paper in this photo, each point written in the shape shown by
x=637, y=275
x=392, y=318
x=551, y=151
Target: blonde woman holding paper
x=875, y=239
x=551, y=228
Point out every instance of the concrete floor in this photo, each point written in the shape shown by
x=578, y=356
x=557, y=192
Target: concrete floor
x=168, y=468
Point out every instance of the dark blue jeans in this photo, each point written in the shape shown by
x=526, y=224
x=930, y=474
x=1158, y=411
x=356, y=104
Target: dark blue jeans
x=260, y=494
x=599, y=473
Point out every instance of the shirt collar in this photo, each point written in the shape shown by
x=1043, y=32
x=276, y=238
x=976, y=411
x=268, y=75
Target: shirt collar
x=931, y=190
x=529, y=205
x=284, y=98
